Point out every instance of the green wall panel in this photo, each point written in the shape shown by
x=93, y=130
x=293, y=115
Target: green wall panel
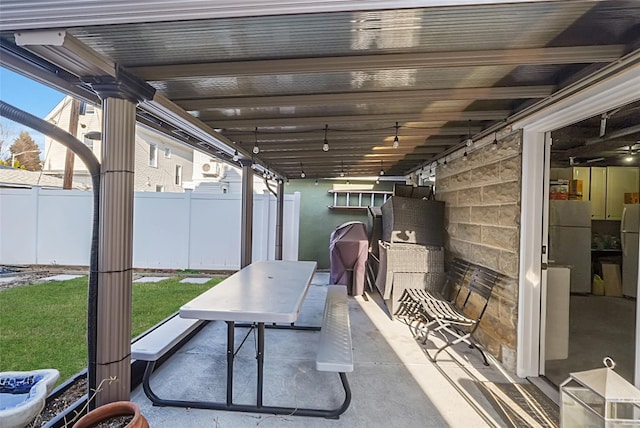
x=317, y=221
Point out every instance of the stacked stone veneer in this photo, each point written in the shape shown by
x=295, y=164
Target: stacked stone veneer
x=482, y=220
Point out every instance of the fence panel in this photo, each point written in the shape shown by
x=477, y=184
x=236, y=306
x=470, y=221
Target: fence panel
x=171, y=230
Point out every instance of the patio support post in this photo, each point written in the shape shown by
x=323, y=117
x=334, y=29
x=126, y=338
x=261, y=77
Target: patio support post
x=246, y=237
x=115, y=260
x=279, y=219
x=109, y=328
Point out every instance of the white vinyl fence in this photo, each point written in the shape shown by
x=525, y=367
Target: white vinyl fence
x=171, y=230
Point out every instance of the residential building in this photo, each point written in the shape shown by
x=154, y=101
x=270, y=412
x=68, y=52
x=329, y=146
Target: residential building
x=162, y=164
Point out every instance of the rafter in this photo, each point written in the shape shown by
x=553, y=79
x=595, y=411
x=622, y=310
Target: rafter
x=405, y=131
x=315, y=155
x=338, y=150
x=472, y=94
x=550, y=55
x=356, y=143
x=363, y=118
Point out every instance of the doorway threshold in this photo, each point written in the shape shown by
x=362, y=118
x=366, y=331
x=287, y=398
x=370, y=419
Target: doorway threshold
x=547, y=388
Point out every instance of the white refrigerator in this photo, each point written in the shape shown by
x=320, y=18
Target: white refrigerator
x=570, y=241
x=629, y=227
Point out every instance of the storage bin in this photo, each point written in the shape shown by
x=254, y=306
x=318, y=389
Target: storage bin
x=415, y=221
x=405, y=266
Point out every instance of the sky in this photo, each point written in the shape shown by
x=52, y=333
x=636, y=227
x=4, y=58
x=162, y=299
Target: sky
x=27, y=95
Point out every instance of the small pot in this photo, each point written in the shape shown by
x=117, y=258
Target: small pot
x=110, y=410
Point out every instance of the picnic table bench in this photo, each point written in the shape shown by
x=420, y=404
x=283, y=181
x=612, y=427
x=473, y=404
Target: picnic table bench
x=334, y=352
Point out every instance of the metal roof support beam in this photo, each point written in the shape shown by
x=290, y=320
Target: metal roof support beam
x=425, y=60
x=346, y=148
x=352, y=170
x=20, y=61
x=363, y=118
x=349, y=139
x=65, y=51
x=337, y=154
x=405, y=131
x=322, y=163
x=322, y=99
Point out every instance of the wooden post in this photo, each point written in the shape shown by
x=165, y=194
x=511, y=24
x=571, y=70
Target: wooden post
x=70, y=156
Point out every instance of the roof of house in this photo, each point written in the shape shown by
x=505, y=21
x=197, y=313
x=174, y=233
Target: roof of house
x=13, y=177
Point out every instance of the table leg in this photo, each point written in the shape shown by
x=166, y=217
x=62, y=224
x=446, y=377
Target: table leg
x=259, y=407
x=260, y=358
x=230, y=357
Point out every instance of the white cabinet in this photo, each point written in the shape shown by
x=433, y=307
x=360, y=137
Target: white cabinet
x=620, y=180
x=608, y=186
x=598, y=193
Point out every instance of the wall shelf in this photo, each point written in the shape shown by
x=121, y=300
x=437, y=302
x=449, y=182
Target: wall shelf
x=358, y=199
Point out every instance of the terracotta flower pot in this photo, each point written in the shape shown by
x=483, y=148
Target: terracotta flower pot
x=118, y=408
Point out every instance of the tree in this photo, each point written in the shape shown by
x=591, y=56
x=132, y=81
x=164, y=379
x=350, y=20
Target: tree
x=26, y=151
x=5, y=132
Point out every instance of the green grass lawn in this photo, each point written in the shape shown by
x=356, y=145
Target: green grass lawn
x=44, y=325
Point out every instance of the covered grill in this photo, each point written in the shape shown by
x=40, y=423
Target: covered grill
x=348, y=251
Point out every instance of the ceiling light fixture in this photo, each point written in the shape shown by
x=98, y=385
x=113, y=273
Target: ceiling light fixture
x=494, y=145
x=235, y=156
x=465, y=156
x=396, y=143
x=316, y=182
x=341, y=168
x=302, y=174
x=381, y=168
x=256, y=149
x=629, y=157
x=325, y=145
x=469, y=140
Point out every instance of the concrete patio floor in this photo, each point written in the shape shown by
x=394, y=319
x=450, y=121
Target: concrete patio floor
x=393, y=382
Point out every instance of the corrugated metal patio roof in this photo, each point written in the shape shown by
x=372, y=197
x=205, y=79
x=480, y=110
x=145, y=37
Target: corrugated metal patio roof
x=430, y=75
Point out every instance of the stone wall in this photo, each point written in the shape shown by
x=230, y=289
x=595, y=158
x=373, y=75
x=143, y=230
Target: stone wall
x=482, y=219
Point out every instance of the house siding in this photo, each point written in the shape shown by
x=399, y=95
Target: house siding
x=146, y=177
x=482, y=220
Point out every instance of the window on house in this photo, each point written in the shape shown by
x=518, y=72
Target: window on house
x=159, y=188
x=153, y=155
x=88, y=109
x=167, y=153
x=179, y=175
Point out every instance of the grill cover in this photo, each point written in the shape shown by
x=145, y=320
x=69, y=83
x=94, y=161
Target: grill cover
x=348, y=252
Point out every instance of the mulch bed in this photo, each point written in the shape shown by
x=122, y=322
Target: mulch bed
x=57, y=405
